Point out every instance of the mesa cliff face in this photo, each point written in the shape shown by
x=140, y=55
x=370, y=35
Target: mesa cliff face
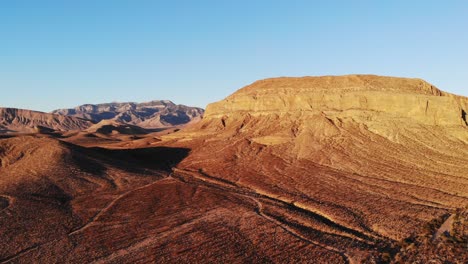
x=309, y=109
x=20, y=120
x=361, y=95
x=378, y=155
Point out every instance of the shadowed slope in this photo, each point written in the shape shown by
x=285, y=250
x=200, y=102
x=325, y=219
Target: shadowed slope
x=113, y=206
x=369, y=157
x=114, y=127
x=54, y=188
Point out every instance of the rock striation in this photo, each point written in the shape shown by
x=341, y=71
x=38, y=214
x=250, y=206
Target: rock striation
x=313, y=108
x=375, y=158
x=352, y=94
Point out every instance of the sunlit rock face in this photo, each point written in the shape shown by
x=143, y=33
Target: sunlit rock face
x=309, y=109
x=351, y=95
x=365, y=151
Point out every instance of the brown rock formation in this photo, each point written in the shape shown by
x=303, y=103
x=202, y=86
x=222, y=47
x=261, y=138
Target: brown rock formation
x=354, y=95
x=114, y=127
x=374, y=157
x=154, y=114
x=347, y=169
x=20, y=120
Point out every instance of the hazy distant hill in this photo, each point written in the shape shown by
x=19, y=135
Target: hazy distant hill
x=154, y=114
x=21, y=120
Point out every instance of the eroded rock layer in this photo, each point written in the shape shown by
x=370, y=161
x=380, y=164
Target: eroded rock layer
x=365, y=95
x=347, y=169
x=375, y=158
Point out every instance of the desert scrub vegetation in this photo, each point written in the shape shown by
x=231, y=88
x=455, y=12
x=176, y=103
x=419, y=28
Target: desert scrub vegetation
x=425, y=247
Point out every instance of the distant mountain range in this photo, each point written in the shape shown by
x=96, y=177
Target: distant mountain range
x=27, y=121
x=151, y=115
x=154, y=114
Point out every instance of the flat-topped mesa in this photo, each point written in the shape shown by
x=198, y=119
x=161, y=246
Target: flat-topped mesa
x=344, y=83
x=398, y=97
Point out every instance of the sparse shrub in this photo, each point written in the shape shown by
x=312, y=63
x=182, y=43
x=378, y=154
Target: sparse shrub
x=386, y=257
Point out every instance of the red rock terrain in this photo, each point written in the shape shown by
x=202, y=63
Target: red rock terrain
x=347, y=169
x=20, y=120
x=353, y=158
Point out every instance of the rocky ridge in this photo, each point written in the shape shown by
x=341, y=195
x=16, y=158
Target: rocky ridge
x=154, y=114
x=20, y=120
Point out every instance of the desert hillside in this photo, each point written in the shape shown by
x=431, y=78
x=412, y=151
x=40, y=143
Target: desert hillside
x=154, y=114
x=334, y=169
x=20, y=120
x=347, y=158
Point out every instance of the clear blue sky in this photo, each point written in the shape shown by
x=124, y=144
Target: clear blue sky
x=56, y=54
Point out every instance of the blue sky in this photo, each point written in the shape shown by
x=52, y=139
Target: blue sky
x=56, y=54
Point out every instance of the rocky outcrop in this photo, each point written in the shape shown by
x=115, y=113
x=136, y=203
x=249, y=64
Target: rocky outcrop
x=154, y=114
x=380, y=156
x=304, y=110
x=20, y=120
x=351, y=95
x=114, y=127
